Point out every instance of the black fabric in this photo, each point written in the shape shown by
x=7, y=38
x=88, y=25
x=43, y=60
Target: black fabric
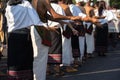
x=75, y=46
x=45, y=35
x=67, y=32
x=79, y=27
x=56, y=48
x=20, y=51
x=22, y=31
x=101, y=38
x=89, y=30
x=14, y=2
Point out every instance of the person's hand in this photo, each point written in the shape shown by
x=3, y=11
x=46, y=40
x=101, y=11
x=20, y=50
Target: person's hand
x=53, y=29
x=94, y=20
x=76, y=18
x=75, y=32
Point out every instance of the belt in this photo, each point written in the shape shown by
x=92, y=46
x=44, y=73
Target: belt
x=21, y=31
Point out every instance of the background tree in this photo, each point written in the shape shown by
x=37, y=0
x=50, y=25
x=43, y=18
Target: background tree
x=115, y=2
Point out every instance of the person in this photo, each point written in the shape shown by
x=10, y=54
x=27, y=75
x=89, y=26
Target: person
x=20, y=16
x=101, y=33
x=55, y=51
x=113, y=27
x=89, y=35
x=4, y=28
x=80, y=5
x=40, y=50
x=1, y=30
x=79, y=27
x=67, y=58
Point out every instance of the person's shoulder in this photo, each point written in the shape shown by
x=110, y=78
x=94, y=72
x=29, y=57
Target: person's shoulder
x=56, y=5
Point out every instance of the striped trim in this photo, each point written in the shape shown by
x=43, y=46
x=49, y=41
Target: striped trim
x=54, y=58
x=20, y=75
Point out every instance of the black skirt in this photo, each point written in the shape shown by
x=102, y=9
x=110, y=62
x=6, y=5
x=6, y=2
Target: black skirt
x=101, y=38
x=20, y=55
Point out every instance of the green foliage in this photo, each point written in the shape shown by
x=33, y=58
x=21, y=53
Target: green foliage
x=115, y=2
x=73, y=1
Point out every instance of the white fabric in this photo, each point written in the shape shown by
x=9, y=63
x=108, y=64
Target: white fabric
x=86, y=1
x=89, y=39
x=67, y=58
x=90, y=45
x=87, y=23
x=111, y=27
x=21, y=16
x=66, y=43
x=77, y=1
x=40, y=56
x=81, y=46
x=75, y=10
x=116, y=21
x=58, y=10
x=108, y=16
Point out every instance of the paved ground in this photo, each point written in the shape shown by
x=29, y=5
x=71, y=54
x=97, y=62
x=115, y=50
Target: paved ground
x=97, y=68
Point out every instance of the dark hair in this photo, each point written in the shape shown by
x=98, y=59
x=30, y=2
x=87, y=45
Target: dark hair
x=69, y=2
x=54, y=1
x=14, y=2
x=82, y=4
x=102, y=6
x=64, y=1
x=96, y=4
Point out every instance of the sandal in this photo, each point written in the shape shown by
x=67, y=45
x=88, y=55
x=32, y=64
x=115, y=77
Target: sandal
x=71, y=69
x=58, y=74
x=49, y=73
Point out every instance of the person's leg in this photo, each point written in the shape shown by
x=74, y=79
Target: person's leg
x=82, y=47
x=40, y=56
x=90, y=45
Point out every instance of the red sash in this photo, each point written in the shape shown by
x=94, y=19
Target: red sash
x=45, y=35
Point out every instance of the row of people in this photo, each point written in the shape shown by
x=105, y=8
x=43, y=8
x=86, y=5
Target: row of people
x=20, y=17
x=29, y=50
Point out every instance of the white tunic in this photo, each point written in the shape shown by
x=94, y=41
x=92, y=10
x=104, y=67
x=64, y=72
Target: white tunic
x=76, y=11
x=58, y=10
x=66, y=43
x=21, y=16
x=108, y=16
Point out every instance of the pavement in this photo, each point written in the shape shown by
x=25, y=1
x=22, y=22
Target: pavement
x=97, y=68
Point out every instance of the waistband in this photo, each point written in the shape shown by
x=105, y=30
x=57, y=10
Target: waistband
x=21, y=31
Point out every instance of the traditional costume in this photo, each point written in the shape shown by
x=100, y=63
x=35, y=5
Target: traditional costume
x=79, y=26
x=40, y=47
x=89, y=38
x=55, y=51
x=101, y=41
x=20, y=16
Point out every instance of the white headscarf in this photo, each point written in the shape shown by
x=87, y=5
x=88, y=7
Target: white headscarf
x=86, y=1
x=77, y=1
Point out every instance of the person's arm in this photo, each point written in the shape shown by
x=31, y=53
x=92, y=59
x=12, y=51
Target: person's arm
x=75, y=32
x=58, y=16
x=53, y=13
x=55, y=16
x=1, y=21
